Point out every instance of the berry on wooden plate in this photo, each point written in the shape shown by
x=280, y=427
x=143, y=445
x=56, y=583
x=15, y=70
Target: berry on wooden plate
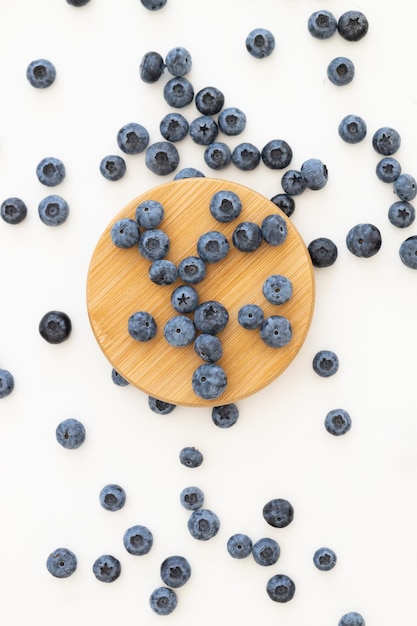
x=260, y=43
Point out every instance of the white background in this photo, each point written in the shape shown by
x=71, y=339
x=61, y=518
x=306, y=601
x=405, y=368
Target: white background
x=355, y=494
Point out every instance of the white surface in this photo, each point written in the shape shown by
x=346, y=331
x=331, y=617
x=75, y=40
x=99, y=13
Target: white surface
x=355, y=494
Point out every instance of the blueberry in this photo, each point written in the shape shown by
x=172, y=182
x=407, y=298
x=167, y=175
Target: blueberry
x=151, y=67
x=314, y=173
x=340, y=71
x=246, y=156
x=209, y=100
x=163, y=600
x=324, y=559
x=325, y=363
x=118, y=379
x=278, y=512
x=55, y=327
x=159, y=406
x=274, y=229
x=13, y=210
x=232, y=121
x=149, y=214
x=106, y=568
x=203, y=524
x=53, y=210
x=154, y=244
x=178, y=61
x=184, y=299
x=175, y=571
x=364, y=240
x=408, y=252
x=337, y=422
x=192, y=270
x=209, y=381
x=50, y=171
x=276, y=331
x=239, y=546
x=266, y=551
x=6, y=383
x=293, y=182
x=178, y=92
x=260, y=43
x=401, y=214
x=352, y=129
x=78, y=3
x=179, y=331
x=276, y=154
x=217, y=155
x=386, y=141
x=41, y=73
x=112, y=497
x=70, y=433
x=174, y=127
x=61, y=563
x=138, y=540
x=225, y=206
x=210, y=317
x=247, y=237
x=153, y=5
x=277, y=289
x=285, y=202
x=351, y=619
x=125, y=233
x=388, y=169
x=225, y=415
x=141, y=326
x=189, y=172
x=212, y=246
x=191, y=457
x=132, y=138
x=162, y=158
x=208, y=347
x=280, y=588
x=352, y=25
x=322, y=24
x=203, y=130
x=250, y=316
x=163, y=272
x=192, y=498
x=112, y=167
x=323, y=252
x=405, y=187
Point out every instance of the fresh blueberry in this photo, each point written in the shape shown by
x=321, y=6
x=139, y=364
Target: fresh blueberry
x=175, y=571
x=276, y=331
x=154, y=244
x=192, y=498
x=314, y=173
x=276, y=154
x=325, y=363
x=285, y=202
x=212, y=246
x=6, y=383
x=277, y=289
x=61, y=563
x=247, y=236
x=408, y=252
x=53, y=210
x=50, y=171
x=132, y=138
x=141, y=326
x=208, y=347
x=340, y=71
x=225, y=415
x=106, y=568
x=184, y=299
x=178, y=61
x=112, y=167
x=203, y=524
x=153, y=5
x=250, y=316
x=260, y=43
x=149, y=214
x=209, y=100
x=163, y=272
x=322, y=24
x=352, y=25
x=351, y=619
x=364, y=240
x=55, y=327
x=112, y=497
x=401, y=214
x=151, y=67
x=352, y=129
x=386, y=141
x=78, y=3
x=232, y=121
x=274, y=229
x=266, y=551
x=179, y=331
x=210, y=317
x=246, y=156
x=125, y=233
x=41, y=73
x=191, y=457
x=138, y=540
x=189, y=172
x=323, y=252
x=13, y=210
x=278, y=512
x=388, y=169
x=209, y=381
x=162, y=158
x=225, y=206
x=118, y=379
x=192, y=270
x=70, y=433
x=178, y=92
x=337, y=422
x=159, y=406
x=293, y=182
x=163, y=600
x=217, y=155
x=203, y=130
x=405, y=187
x=239, y=546
x=174, y=127
x=280, y=588
x=324, y=559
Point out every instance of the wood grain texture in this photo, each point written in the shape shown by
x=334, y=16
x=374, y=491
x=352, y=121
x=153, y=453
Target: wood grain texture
x=118, y=285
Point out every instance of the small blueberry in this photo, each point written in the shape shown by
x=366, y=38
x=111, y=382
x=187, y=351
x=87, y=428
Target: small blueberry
x=178, y=92
x=352, y=25
x=278, y=512
x=325, y=363
x=132, y=138
x=203, y=524
x=323, y=252
x=209, y=100
x=408, y=252
x=159, y=406
x=41, y=73
x=112, y=167
x=250, y=316
x=192, y=498
x=277, y=289
x=340, y=71
x=353, y=618
x=53, y=210
x=276, y=331
x=209, y=381
x=232, y=121
x=55, y=327
x=112, y=497
x=179, y=331
x=239, y=546
x=163, y=600
x=225, y=206
x=70, y=433
x=189, y=172
x=61, y=563
x=6, y=383
x=208, y=347
x=260, y=43
x=337, y=422
x=178, y=61
x=280, y=588
x=153, y=5
x=162, y=158
x=401, y=214
x=324, y=559
x=352, y=129
x=13, y=210
x=125, y=233
x=50, y=171
x=225, y=415
x=405, y=187
x=151, y=67
x=274, y=229
x=142, y=326
x=184, y=299
x=154, y=244
x=192, y=270
x=138, y=540
x=388, y=169
x=175, y=571
x=322, y=24
x=106, y=568
x=293, y=182
x=266, y=551
x=364, y=240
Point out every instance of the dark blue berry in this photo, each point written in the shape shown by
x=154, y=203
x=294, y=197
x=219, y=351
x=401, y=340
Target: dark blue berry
x=276, y=154
x=53, y=210
x=113, y=167
x=324, y=559
x=132, y=138
x=405, y=187
x=314, y=173
x=277, y=289
x=163, y=272
x=225, y=415
x=408, y=252
x=149, y=214
x=266, y=551
x=41, y=73
x=285, y=202
x=250, y=316
x=278, y=512
x=208, y=347
x=50, y=171
x=260, y=43
x=203, y=524
x=175, y=571
x=203, y=130
x=274, y=229
x=293, y=182
x=118, y=379
x=151, y=67
x=178, y=61
x=125, y=233
x=323, y=252
x=352, y=129
x=189, y=172
x=246, y=156
x=388, y=169
x=192, y=498
x=178, y=92
x=386, y=141
x=61, y=563
x=352, y=25
x=209, y=100
x=322, y=24
x=232, y=121
x=211, y=317
x=225, y=206
x=174, y=127
x=337, y=422
x=401, y=214
x=13, y=210
x=112, y=497
x=276, y=331
x=239, y=546
x=340, y=71
x=217, y=155
x=159, y=406
x=153, y=5
x=70, y=433
x=192, y=270
x=184, y=299
x=364, y=240
x=6, y=383
x=325, y=363
x=191, y=457
x=163, y=600
x=280, y=588
x=141, y=326
x=209, y=381
x=106, y=568
x=154, y=244
x=212, y=246
x=162, y=158
x=247, y=236
x=179, y=331
x=353, y=618
x=138, y=540
x=55, y=327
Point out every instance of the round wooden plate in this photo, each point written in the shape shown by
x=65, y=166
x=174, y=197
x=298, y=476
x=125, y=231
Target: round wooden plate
x=118, y=285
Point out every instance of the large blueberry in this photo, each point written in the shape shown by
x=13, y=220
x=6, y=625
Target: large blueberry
x=70, y=433
x=211, y=317
x=61, y=563
x=178, y=61
x=203, y=524
x=278, y=512
x=247, y=236
x=276, y=331
x=53, y=210
x=112, y=167
x=149, y=213
x=408, y=252
x=225, y=206
x=340, y=71
x=388, y=169
x=192, y=498
x=280, y=588
x=174, y=127
x=209, y=100
x=277, y=289
x=277, y=154
x=179, y=331
x=55, y=327
x=163, y=600
x=50, y=171
x=107, y=568
x=141, y=326
x=132, y=138
x=352, y=25
x=325, y=363
x=260, y=43
x=232, y=121
x=41, y=73
x=352, y=129
x=13, y=210
x=203, y=130
x=266, y=551
x=112, y=497
x=401, y=214
x=274, y=229
x=212, y=246
x=364, y=240
x=138, y=540
x=246, y=156
x=151, y=67
x=175, y=571
x=125, y=233
x=323, y=252
x=314, y=173
x=192, y=270
x=225, y=415
x=162, y=158
x=178, y=92
x=154, y=244
x=209, y=381
x=322, y=24
x=386, y=140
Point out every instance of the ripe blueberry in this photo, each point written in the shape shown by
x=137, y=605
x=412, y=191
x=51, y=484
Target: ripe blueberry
x=6, y=383
x=352, y=129
x=174, y=127
x=163, y=600
x=209, y=100
x=162, y=158
x=340, y=71
x=323, y=252
x=225, y=415
x=353, y=618
x=364, y=240
x=208, y=347
x=276, y=154
x=247, y=236
x=163, y=272
x=322, y=24
x=324, y=559
x=192, y=270
x=408, y=252
x=132, y=138
x=125, y=233
x=277, y=289
x=179, y=331
x=386, y=141
x=276, y=331
x=212, y=246
x=203, y=130
x=388, y=169
x=293, y=182
x=405, y=187
x=151, y=67
x=352, y=25
x=401, y=214
x=154, y=244
x=246, y=156
x=266, y=551
x=274, y=229
x=280, y=588
x=70, y=433
x=210, y=317
x=314, y=173
x=184, y=299
x=278, y=512
x=50, y=171
x=178, y=92
x=53, y=210
x=149, y=214
x=55, y=327
x=192, y=498
x=112, y=167
x=175, y=571
x=41, y=73
x=260, y=43
x=209, y=381
x=225, y=206
x=153, y=5
x=178, y=61
x=61, y=563
x=325, y=363
x=232, y=121
x=112, y=497
x=239, y=546
x=285, y=202
x=141, y=326
x=13, y=210
x=138, y=540
x=118, y=379
x=203, y=524
x=250, y=316
x=106, y=568
x=159, y=406
x=217, y=155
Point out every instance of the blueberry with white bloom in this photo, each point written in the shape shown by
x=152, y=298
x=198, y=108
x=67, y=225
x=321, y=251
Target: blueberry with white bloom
x=352, y=25
x=162, y=158
x=405, y=187
x=178, y=92
x=53, y=210
x=192, y=270
x=364, y=240
x=41, y=73
x=208, y=347
x=250, y=316
x=401, y=214
x=175, y=571
x=173, y=127
x=408, y=252
x=266, y=551
x=192, y=498
x=225, y=206
x=246, y=156
x=179, y=331
x=203, y=524
x=239, y=546
x=285, y=202
x=178, y=61
x=141, y=326
x=50, y=171
x=247, y=236
x=217, y=155
x=352, y=129
x=388, y=169
x=112, y=167
x=340, y=71
x=61, y=563
x=13, y=210
x=260, y=43
x=132, y=138
x=209, y=100
x=324, y=559
x=125, y=233
x=151, y=67
x=212, y=246
x=337, y=422
x=225, y=415
x=277, y=154
x=353, y=618
x=55, y=326
x=322, y=24
x=232, y=121
x=276, y=331
x=163, y=600
x=160, y=407
x=386, y=141
x=325, y=363
x=107, y=568
x=203, y=130
x=323, y=252
x=280, y=588
x=209, y=381
x=277, y=289
x=112, y=497
x=149, y=214
x=163, y=272
x=293, y=182
x=211, y=317
x=184, y=299
x=278, y=512
x=274, y=229
x=138, y=540
x=6, y=383
x=154, y=244
x=70, y=433
x=314, y=173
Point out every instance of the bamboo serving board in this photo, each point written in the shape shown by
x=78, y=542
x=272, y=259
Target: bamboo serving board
x=118, y=285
